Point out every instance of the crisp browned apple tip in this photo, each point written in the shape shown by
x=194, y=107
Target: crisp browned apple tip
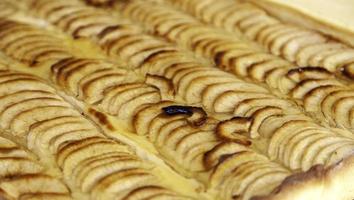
x=101, y=3
x=235, y=130
x=303, y=73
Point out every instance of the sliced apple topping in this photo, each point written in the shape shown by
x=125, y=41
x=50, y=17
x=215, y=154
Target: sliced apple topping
x=31, y=45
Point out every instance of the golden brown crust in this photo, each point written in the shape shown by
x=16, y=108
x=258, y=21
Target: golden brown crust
x=319, y=182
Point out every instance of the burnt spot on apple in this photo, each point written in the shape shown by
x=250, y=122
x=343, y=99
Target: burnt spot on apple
x=196, y=116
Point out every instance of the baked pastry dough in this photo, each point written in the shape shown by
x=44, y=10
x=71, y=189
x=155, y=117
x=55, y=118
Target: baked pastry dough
x=219, y=109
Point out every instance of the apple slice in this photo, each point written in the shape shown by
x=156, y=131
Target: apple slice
x=53, y=11
x=84, y=166
x=137, y=48
x=122, y=182
x=88, y=83
x=225, y=167
x=273, y=77
x=14, y=98
x=340, y=153
x=120, y=94
x=348, y=70
x=324, y=154
x=139, y=51
x=302, y=88
x=40, y=127
x=263, y=185
x=216, y=155
x=272, y=123
x=338, y=59
x=69, y=73
x=52, y=196
x=287, y=145
x=313, y=98
x=303, y=73
x=23, y=121
x=267, y=100
x=259, y=116
x=292, y=47
x=243, y=63
x=235, y=130
x=317, y=59
x=313, y=150
x=330, y=100
x=272, y=33
x=16, y=85
x=163, y=84
x=259, y=23
x=235, y=179
x=161, y=121
x=227, y=59
x=11, y=111
x=129, y=109
x=111, y=33
x=212, y=91
x=194, y=157
x=12, y=167
x=258, y=71
x=341, y=110
x=105, y=169
x=297, y=150
x=71, y=136
x=227, y=101
x=174, y=66
x=282, y=134
x=32, y=184
x=176, y=128
x=281, y=40
x=69, y=157
x=193, y=92
x=189, y=141
x=241, y=13
x=305, y=53
x=144, y=116
x=147, y=192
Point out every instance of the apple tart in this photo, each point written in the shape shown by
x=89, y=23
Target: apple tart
x=171, y=99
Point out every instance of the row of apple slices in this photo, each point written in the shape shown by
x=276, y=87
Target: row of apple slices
x=29, y=45
x=302, y=144
x=23, y=177
x=79, y=20
x=296, y=44
x=73, y=17
x=96, y=165
x=304, y=84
